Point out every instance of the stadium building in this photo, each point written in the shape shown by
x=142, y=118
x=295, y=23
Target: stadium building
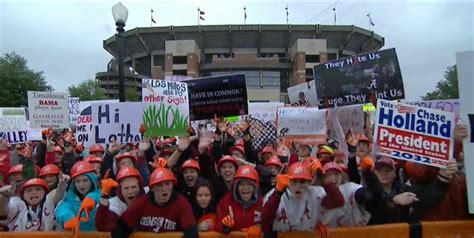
x=272, y=57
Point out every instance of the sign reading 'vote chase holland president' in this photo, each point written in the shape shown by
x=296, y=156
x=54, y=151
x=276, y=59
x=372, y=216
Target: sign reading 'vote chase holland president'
x=359, y=79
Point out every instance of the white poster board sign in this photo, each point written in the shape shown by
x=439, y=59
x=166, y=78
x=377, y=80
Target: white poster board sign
x=13, y=125
x=464, y=62
x=351, y=117
x=302, y=124
x=48, y=109
x=73, y=105
x=412, y=133
x=303, y=94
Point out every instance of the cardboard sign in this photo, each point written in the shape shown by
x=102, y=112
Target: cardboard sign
x=351, y=117
x=359, y=79
x=303, y=94
x=84, y=132
x=262, y=121
x=116, y=122
x=48, y=109
x=222, y=95
x=13, y=125
x=73, y=105
x=34, y=134
x=169, y=113
x=302, y=124
x=447, y=105
x=412, y=133
x=464, y=62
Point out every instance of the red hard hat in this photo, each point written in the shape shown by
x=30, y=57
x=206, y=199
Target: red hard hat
x=169, y=142
x=49, y=169
x=80, y=168
x=247, y=172
x=126, y=155
x=363, y=138
x=15, y=169
x=274, y=160
x=96, y=148
x=127, y=172
x=34, y=182
x=93, y=159
x=299, y=171
x=192, y=164
x=227, y=158
x=267, y=149
x=161, y=175
x=166, y=152
x=237, y=147
x=332, y=166
x=419, y=173
x=57, y=149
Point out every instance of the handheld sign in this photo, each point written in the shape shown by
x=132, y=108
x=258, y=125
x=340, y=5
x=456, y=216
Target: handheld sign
x=464, y=62
x=73, y=105
x=13, y=125
x=412, y=133
x=262, y=121
x=302, y=124
x=448, y=105
x=224, y=96
x=168, y=112
x=48, y=109
x=359, y=79
x=303, y=94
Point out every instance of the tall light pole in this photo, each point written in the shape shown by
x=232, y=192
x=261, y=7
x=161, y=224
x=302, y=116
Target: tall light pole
x=120, y=13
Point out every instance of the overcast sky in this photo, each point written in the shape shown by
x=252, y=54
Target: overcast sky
x=64, y=38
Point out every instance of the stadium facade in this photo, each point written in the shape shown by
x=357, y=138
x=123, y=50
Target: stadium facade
x=273, y=57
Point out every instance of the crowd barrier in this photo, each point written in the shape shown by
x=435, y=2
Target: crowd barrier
x=448, y=229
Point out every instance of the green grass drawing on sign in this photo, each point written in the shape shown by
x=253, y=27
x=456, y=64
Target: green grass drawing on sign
x=156, y=121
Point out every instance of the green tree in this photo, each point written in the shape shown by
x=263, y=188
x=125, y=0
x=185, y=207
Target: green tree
x=447, y=88
x=131, y=95
x=16, y=79
x=88, y=90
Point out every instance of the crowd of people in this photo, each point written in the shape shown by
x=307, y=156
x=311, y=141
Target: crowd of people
x=218, y=181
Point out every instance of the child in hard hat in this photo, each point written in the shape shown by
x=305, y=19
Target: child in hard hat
x=32, y=210
x=160, y=210
x=130, y=187
x=241, y=208
x=83, y=194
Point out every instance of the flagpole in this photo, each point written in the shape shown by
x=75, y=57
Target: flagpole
x=368, y=16
x=245, y=15
x=151, y=17
x=286, y=8
x=198, y=15
x=334, y=10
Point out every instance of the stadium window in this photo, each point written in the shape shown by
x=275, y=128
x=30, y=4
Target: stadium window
x=332, y=56
x=270, y=79
x=180, y=72
x=312, y=58
x=180, y=59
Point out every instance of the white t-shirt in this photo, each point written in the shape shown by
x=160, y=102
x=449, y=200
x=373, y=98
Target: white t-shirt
x=298, y=215
x=351, y=214
x=23, y=218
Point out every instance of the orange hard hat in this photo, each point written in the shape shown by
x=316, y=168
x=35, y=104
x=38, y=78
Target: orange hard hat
x=246, y=172
x=127, y=172
x=49, y=169
x=299, y=171
x=274, y=160
x=96, y=148
x=57, y=149
x=15, y=169
x=93, y=159
x=332, y=166
x=126, y=155
x=237, y=147
x=161, y=175
x=363, y=138
x=190, y=164
x=34, y=182
x=227, y=158
x=80, y=168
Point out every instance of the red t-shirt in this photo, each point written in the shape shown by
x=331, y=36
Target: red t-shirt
x=145, y=215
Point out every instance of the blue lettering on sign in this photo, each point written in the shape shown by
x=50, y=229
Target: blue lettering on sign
x=423, y=121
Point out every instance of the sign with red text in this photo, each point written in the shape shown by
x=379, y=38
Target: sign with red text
x=168, y=114
x=302, y=124
x=48, y=109
x=224, y=96
x=412, y=133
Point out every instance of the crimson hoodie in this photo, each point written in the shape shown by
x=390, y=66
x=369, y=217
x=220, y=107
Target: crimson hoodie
x=243, y=217
x=6, y=165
